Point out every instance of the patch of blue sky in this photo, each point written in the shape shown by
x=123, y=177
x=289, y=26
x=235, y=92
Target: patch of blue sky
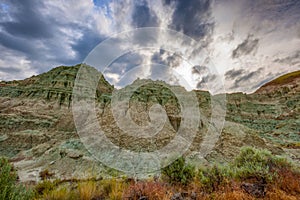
x=101, y=3
x=4, y=7
x=104, y=5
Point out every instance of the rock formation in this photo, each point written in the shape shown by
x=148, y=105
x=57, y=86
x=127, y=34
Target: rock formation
x=37, y=130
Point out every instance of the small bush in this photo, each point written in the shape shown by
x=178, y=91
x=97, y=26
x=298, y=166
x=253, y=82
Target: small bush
x=258, y=164
x=179, y=172
x=214, y=177
x=45, y=187
x=9, y=189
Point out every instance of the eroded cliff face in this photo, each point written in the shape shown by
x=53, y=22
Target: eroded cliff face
x=37, y=128
x=55, y=85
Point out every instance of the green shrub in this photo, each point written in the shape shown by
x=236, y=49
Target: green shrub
x=255, y=164
x=9, y=189
x=44, y=187
x=179, y=172
x=258, y=164
x=212, y=178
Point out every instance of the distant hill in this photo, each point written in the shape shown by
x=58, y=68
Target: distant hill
x=286, y=82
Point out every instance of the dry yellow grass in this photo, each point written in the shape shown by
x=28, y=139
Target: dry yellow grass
x=87, y=190
x=235, y=195
x=59, y=194
x=280, y=195
x=117, y=190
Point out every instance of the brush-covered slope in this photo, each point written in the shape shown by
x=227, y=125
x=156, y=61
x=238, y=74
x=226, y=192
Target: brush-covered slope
x=37, y=128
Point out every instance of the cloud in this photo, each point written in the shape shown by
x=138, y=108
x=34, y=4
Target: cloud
x=206, y=81
x=261, y=83
x=247, y=76
x=248, y=46
x=249, y=42
x=142, y=15
x=232, y=74
x=244, y=80
x=18, y=44
x=13, y=65
x=49, y=33
x=163, y=73
x=125, y=63
x=86, y=43
x=10, y=70
x=193, y=18
x=169, y=59
x=292, y=59
x=273, y=23
x=112, y=77
x=200, y=70
x=27, y=21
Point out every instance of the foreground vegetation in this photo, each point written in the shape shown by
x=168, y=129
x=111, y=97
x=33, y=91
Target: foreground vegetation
x=252, y=174
x=9, y=188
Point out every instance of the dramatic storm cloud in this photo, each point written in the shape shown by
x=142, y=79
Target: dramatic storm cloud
x=246, y=42
x=192, y=17
x=246, y=47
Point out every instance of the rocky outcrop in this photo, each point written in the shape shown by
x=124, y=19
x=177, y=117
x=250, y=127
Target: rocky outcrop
x=55, y=85
x=37, y=128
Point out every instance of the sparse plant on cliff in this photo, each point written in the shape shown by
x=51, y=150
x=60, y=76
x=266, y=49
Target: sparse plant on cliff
x=9, y=188
x=46, y=174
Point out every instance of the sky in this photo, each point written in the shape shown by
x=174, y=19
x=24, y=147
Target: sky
x=248, y=42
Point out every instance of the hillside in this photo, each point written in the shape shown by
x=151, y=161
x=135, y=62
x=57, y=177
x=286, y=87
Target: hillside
x=57, y=84
x=282, y=84
x=37, y=130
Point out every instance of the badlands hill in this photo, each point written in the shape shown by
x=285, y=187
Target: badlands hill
x=37, y=130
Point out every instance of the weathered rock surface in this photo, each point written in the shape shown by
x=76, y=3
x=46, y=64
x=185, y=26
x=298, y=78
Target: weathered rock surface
x=37, y=129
